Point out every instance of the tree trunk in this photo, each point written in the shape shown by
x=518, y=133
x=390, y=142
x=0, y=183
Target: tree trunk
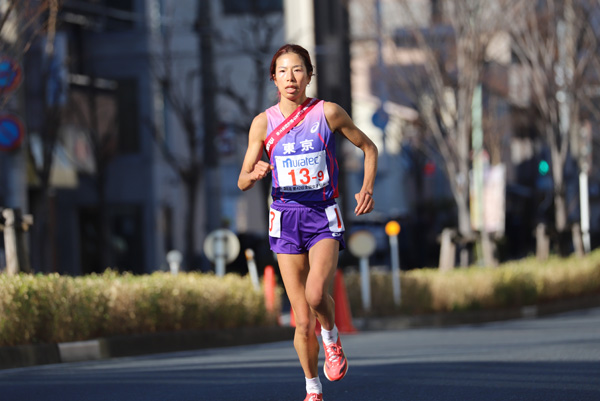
x=465, y=232
x=190, y=224
x=542, y=250
x=488, y=249
x=577, y=240
x=448, y=250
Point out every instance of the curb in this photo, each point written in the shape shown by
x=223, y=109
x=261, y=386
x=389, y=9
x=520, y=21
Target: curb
x=138, y=344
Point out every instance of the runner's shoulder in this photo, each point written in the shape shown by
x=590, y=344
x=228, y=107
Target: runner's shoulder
x=334, y=114
x=259, y=126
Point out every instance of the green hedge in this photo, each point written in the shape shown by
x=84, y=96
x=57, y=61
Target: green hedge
x=519, y=283
x=54, y=308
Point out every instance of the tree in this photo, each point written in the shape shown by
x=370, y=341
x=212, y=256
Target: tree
x=22, y=24
x=257, y=42
x=188, y=164
x=440, y=84
x=557, y=44
x=191, y=168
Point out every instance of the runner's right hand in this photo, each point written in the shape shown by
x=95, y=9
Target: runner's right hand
x=261, y=170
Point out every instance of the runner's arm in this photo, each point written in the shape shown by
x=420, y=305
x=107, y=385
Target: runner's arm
x=254, y=169
x=340, y=121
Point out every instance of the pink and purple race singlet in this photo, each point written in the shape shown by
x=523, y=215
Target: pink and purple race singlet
x=306, y=169
x=305, y=184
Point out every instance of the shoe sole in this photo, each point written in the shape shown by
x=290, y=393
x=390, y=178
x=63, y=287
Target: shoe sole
x=343, y=375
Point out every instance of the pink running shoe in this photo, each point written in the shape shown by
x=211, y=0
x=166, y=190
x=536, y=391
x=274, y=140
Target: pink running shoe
x=314, y=397
x=336, y=364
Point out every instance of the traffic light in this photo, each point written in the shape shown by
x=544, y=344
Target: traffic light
x=543, y=167
x=429, y=168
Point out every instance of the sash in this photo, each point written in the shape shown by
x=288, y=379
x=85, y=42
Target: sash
x=293, y=119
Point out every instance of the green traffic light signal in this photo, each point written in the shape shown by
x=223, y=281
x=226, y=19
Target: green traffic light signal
x=543, y=167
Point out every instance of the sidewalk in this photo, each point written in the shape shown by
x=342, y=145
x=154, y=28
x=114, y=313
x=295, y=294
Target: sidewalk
x=144, y=344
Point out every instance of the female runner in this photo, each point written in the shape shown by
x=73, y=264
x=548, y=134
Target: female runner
x=305, y=224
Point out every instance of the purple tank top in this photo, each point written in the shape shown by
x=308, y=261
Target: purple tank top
x=306, y=169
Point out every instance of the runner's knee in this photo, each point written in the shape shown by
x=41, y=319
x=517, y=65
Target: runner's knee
x=303, y=326
x=315, y=297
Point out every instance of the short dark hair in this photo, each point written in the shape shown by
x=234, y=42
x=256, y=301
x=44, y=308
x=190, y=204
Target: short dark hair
x=291, y=48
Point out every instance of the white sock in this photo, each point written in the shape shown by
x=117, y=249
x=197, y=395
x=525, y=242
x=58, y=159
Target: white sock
x=329, y=336
x=313, y=385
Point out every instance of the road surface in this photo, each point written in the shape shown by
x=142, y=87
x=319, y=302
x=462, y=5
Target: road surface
x=553, y=358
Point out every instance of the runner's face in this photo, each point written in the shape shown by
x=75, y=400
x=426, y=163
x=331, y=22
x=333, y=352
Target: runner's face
x=291, y=76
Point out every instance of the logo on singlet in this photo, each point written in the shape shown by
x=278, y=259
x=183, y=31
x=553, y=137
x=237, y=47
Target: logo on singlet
x=314, y=127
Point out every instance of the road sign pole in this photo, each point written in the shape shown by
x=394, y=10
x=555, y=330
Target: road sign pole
x=362, y=245
x=392, y=229
x=220, y=246
x=365, y=283
x=395, y=269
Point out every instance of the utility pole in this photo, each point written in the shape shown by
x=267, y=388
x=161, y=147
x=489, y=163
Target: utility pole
x=212, y=184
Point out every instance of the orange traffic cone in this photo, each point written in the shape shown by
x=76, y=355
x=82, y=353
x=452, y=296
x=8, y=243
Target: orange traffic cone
x=269, y=289
x=343, y=317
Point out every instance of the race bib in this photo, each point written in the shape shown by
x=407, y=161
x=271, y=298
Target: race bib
x=305, y=172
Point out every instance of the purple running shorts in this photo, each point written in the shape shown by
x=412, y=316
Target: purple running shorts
x=294, y=228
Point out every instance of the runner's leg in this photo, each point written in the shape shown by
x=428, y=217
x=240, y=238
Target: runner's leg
x=323, y=260
x=294, y=272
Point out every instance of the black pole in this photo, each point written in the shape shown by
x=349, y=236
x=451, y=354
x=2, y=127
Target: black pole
x=209, y=119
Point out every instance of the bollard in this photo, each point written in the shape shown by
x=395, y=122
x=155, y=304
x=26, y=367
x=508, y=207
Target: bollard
x=249, y=253
x=174, y=258
x=15, y=227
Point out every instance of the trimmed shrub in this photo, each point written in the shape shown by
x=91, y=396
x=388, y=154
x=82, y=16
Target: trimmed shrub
x=519, y=283
x=53, y=308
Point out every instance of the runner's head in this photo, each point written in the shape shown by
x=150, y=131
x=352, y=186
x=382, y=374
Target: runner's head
x=291, y=48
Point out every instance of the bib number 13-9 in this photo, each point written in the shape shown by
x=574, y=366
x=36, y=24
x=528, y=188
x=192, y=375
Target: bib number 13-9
x=302, y=172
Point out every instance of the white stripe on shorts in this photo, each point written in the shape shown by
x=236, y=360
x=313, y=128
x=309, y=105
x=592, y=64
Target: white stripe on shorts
x=334, y=215
x=274, y=223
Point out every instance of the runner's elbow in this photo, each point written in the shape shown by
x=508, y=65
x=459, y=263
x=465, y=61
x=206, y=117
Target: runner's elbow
x=244, y=183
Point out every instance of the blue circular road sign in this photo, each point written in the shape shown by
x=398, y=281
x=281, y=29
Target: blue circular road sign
x=11, y=74
x=12, y=131
x=380, y=118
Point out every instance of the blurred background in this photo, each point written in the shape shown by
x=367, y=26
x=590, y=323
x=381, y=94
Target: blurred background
x=124, y=123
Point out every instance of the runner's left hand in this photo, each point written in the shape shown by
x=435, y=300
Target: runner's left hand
x=364, y=203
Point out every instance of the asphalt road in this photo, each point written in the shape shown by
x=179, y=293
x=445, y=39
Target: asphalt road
x=555, y=358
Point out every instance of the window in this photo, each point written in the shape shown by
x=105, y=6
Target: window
x=129, y=141
x=252, y=6
x=125, y=243
x=127, y=238
x=98, y=15
x=107, y=108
